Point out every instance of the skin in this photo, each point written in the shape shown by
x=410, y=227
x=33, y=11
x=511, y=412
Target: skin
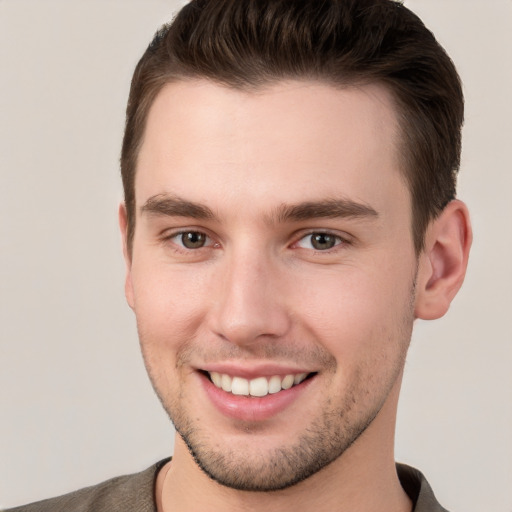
x=258, y=293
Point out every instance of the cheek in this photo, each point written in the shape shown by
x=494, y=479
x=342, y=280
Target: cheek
x=355, y=313
x=169, y=305
x=168, y=309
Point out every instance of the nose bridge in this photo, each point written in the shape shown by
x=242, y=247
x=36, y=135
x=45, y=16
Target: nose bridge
x=250, y=303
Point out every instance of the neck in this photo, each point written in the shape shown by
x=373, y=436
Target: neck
x=364, y=478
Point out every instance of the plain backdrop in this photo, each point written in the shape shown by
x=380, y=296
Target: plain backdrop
x=76, y=406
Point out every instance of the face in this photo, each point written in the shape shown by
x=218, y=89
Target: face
x=272, y=273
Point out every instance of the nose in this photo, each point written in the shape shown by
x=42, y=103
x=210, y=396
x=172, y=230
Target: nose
x=250, y=303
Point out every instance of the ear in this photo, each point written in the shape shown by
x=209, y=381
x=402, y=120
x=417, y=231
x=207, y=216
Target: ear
x=123, y=226
x=443, y=261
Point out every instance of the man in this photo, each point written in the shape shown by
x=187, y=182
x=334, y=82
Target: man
x=289, y=174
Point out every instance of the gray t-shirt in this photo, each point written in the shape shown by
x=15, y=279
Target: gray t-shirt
x=135, y=493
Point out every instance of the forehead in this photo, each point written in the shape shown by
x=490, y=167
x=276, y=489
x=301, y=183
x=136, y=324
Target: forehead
x=277, y=143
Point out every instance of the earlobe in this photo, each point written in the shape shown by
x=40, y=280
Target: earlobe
x=123, y=226
x=443, y=262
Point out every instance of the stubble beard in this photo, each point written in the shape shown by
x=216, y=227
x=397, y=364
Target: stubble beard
x=323, y=441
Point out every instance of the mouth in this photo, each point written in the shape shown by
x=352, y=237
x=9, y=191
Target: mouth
x=257, y=387
x=255, y=395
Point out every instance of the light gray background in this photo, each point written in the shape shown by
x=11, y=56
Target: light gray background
x=75, y=403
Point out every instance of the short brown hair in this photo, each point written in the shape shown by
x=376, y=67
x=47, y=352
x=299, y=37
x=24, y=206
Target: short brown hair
x=249, y=43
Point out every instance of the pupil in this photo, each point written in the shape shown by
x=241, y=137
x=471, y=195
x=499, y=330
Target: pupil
x=323, y=241
x=193, y=239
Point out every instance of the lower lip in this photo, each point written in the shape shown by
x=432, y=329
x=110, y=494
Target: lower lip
x=247, y=408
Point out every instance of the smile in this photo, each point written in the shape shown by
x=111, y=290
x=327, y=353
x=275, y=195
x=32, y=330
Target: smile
x=258, y=387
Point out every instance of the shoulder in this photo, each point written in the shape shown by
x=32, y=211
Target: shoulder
x=418, y=489
x=123, y=494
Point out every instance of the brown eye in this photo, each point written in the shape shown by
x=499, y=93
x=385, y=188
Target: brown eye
x=319, y=241
x=322, y=241
x=193, y=239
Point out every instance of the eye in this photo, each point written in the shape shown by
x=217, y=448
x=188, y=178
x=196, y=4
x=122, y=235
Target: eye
x=191, y=239
x=319, y=241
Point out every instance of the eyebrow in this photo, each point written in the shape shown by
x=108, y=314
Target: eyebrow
x=174, y=206
x=325, y=209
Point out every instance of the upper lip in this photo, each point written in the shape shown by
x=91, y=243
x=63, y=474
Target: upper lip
x=252, y=371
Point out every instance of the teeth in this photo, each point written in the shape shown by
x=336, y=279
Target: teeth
x=216, y=379
x=225, y=382
x=258, y=387
x=299, y=378
x=274, y=384
x=261, y=386
x=239, y=386
x=287, y=382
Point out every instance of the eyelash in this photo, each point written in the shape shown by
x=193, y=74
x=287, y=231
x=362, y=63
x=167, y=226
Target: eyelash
x=339, y=241
x=180, y=246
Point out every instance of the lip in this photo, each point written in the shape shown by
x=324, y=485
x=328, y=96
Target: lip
x=252, y=409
